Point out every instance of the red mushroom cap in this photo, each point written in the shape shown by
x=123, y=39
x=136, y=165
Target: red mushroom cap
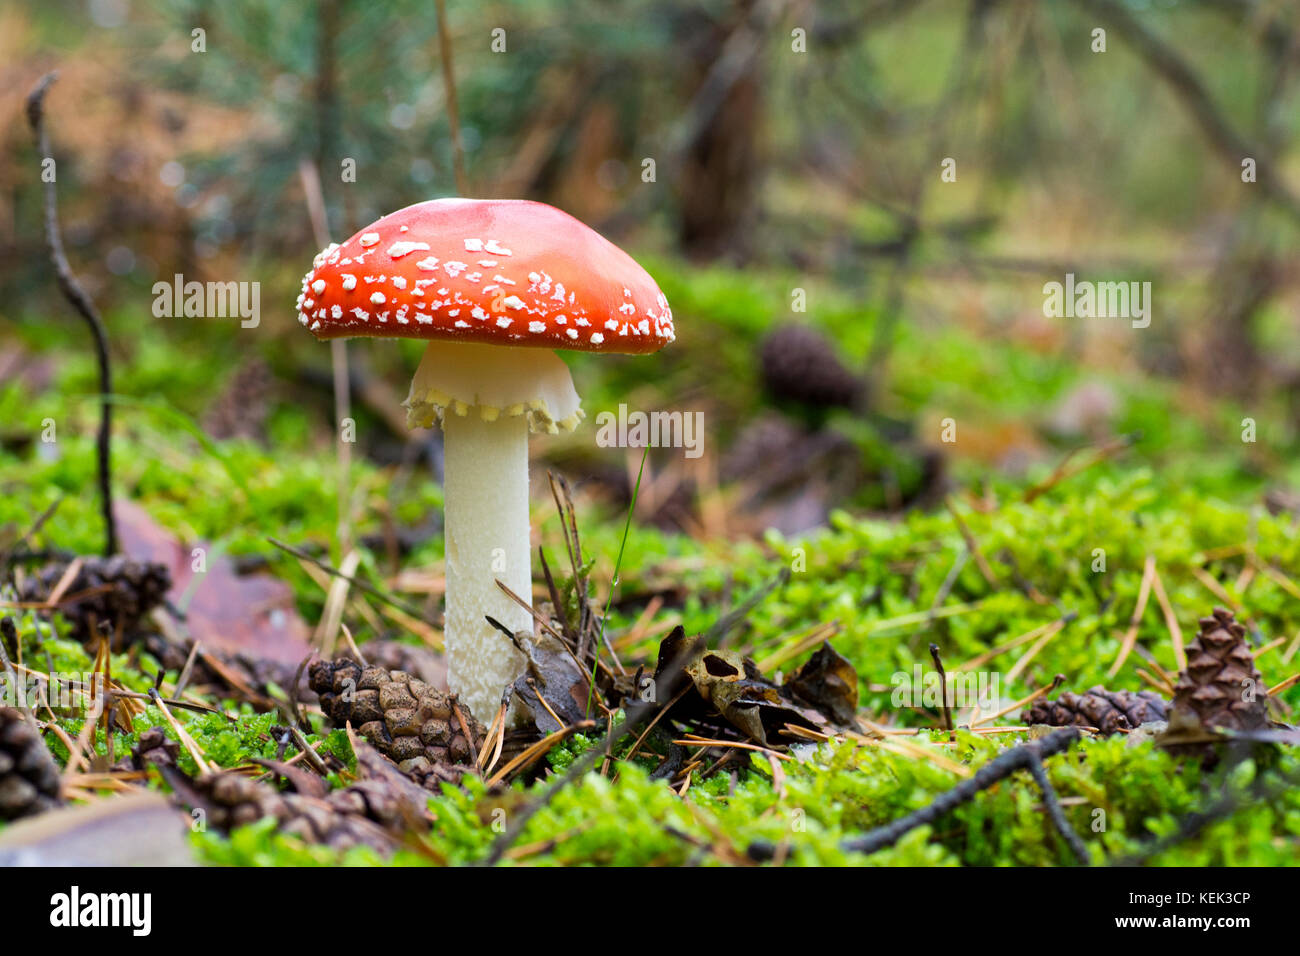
x=492, y=271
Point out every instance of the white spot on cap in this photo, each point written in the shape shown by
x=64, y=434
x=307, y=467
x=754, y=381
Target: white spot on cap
x=361, y=314
x=349, y=282
x=318, y=286
x=513, y=302
x=462, y=324
x=369, y=239
x=597, y=338
x=611, y=324
x=324, y=254
x=572, y=333
x=337, y=312
x=399, y=249
x=497, y=249
x=378, y=298
x=561, y=319
x=478, y=313
x=308, y=303
x=536, y=326
x=504, y=322
x=473, y=245
x=427, y=265
x=399, y=282
x=453, y=268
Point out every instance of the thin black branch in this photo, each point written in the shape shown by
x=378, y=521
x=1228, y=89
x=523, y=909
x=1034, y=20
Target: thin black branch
x=80, y=301
x=999, y=768
x=1055, y=813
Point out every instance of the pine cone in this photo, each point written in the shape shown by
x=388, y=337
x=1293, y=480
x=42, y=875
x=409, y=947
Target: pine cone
x=241, y=409
x=405, y=719
x=799, y=365
x=1108, y=711
x=154, y=747
x=1220, y=673
x=122, y=593
x=341, y=819
x=29, y=777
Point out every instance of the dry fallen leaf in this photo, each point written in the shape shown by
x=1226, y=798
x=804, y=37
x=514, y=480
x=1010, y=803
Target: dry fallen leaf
x=252, y=616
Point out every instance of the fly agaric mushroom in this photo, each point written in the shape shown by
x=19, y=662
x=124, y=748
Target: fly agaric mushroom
x=495, y=286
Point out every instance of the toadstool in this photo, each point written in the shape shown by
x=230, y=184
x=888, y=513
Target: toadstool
x=495, y=286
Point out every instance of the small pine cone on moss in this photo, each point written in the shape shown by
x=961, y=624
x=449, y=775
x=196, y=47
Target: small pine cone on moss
x=29, y=777
x=119, y=592
x=1221, y=687
x=405, y=719
x=1108, y=711
x=799, y=365
x=341, y=819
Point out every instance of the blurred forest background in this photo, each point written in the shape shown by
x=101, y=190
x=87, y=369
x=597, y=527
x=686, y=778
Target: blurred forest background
x=836, y=299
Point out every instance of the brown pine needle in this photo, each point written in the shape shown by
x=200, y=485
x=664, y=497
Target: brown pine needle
x=1291, y=649
x=1158, y=683
x=1281, y=580
x=1019, y=667
x=1215, y=588
x=641, y=627
x=494, y=739
x=972, y=546
x=184, y=736
x=464, y=729
x=1062, y=471
x=352, y=644
x=1012, y=644
x=686, y=784
x=541, y=699
x=1265, y=648
x=1130, y=636
x=1289, y=682
x=1171, y=621
x=1057, y=681
x=539, y=749
x=691, y=740
x=1242, y=584
x=657, y=717
x=69, y=575
x=820, y=633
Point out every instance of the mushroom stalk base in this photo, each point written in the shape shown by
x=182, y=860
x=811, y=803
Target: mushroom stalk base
x=486, y=502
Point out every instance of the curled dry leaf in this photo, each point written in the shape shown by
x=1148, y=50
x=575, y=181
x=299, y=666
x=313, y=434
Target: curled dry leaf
x=822, y=695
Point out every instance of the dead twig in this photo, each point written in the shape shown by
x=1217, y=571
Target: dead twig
x=80, y=301
x=999, y=768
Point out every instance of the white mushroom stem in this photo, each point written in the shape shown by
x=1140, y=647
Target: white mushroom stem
x=487, y=398
x=486, y=495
